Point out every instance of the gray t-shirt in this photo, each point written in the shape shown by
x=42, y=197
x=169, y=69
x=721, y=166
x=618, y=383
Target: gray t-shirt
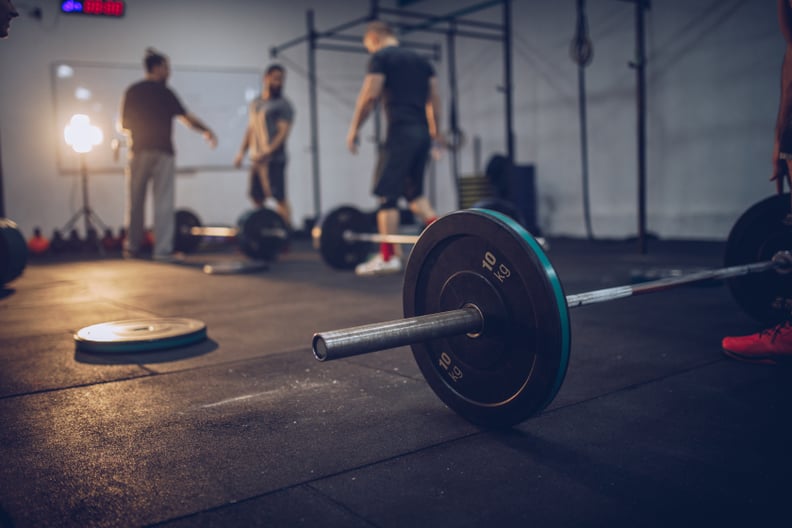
x=263, y=117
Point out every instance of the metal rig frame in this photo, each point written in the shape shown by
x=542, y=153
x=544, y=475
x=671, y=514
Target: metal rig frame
x=452, y=25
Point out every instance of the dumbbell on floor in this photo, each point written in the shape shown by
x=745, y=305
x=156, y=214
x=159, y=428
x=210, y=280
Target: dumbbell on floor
x=260, y=233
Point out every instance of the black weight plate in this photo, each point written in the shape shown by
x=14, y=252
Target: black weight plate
x=140, y=335
x=13, y=251
x=256, y=236
x=756, y=236
x=514, y=368
x=329, y=237
x=183, y=240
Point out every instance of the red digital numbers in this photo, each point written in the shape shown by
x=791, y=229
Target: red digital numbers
x=111, y=8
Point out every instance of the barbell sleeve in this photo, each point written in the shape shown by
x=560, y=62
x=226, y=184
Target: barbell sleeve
x=336, y=344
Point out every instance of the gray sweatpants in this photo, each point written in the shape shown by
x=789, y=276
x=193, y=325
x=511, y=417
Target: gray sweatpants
x=159, y=168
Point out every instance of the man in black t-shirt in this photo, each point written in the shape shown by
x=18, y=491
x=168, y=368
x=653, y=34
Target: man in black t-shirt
x=147, y=113
x=407, y=84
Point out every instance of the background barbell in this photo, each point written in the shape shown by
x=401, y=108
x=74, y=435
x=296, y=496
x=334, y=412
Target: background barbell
x=260, y=233
x=345, y=235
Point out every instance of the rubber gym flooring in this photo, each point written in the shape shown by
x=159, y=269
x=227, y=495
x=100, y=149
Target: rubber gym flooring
x=653, y=426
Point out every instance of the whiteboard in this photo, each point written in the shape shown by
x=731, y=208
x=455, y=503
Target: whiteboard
x=219, y=97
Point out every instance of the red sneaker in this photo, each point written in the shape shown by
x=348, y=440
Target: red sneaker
x=768, y=347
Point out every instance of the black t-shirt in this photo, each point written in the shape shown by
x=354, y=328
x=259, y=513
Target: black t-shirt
x=406, y=87
x=147, y=112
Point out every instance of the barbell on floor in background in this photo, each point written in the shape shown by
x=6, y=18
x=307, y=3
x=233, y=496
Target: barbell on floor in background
x=260, y=233
x=488, y=320
x=344, y=236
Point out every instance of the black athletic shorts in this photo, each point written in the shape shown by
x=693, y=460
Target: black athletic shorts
x=402, y=161
x=275, y=175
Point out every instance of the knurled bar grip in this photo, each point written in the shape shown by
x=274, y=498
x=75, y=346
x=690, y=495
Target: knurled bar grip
x=358, y=340
x=363, y=339
x=620, y=292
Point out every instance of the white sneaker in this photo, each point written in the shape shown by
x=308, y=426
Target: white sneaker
x=377, y=266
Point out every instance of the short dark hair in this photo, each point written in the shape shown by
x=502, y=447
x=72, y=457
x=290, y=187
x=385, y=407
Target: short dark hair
x=380, y=28
x=274, y=67
x=153, y=58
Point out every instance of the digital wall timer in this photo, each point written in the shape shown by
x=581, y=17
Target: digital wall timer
x=108, y=8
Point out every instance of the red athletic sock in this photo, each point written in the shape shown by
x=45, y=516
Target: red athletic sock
x=386, y=249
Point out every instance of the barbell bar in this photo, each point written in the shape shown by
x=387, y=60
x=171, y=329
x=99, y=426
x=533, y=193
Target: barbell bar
x=260, y=233
x=487, y=317
x=230, y=232
x=470, y=320
x=351, y=236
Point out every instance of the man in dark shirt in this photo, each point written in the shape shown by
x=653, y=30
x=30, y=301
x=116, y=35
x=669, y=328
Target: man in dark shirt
x=772, y=344
x=147, y=113
x=407, y=84
x=270, y=118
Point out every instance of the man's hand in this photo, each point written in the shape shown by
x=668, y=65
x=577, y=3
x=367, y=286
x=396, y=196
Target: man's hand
x=780, y=172
x=352, y=141
x=263, y=155
x=210, y=138
x=238, y=159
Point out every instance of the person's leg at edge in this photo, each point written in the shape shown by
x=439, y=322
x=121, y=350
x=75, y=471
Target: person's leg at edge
x=164, y=175
x=136, y=180
x=769, y=346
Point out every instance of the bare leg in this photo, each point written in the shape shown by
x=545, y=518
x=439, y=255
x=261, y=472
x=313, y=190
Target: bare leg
x=285, y=212
x=388, y=224
x=423, y=209
x=263, y=176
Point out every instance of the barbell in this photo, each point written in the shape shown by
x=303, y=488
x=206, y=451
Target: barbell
x=260, y=233
x=488, y=320
x=344, y=235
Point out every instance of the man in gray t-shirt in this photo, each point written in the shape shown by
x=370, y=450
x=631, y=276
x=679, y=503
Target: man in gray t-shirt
x=270, y=118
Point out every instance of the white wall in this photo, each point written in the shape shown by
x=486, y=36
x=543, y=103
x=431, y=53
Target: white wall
x=713, y=88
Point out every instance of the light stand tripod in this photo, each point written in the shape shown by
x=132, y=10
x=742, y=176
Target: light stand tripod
x=82, y=137
x=89, y=215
